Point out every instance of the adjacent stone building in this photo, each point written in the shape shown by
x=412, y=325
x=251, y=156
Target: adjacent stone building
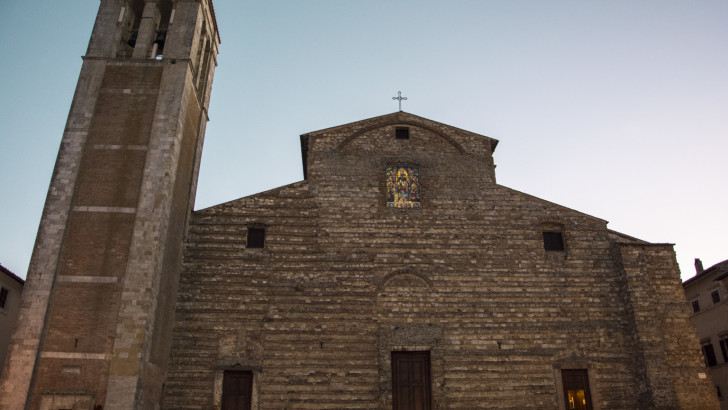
x=397, y=274
x=706, y=295
x=11, y=289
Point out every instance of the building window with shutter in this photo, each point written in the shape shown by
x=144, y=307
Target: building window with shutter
x=709, y=354
x=724, y=348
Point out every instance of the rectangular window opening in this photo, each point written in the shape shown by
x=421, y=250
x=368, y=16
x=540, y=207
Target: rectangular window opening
x=3, y=297
x=401, y=133
x=696, y=306
x=716, y=296
x=256, y=238
x=553, y=241
x=709, y=354
x=724, y=348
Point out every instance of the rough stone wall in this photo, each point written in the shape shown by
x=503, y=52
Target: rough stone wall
x=199, y=346
x=666, y=342
x=343, y=281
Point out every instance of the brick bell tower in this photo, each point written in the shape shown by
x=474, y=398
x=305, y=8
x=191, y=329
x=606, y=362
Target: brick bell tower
x=94, y=330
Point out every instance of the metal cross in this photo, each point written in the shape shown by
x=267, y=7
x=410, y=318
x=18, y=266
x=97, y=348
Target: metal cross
x=400, y=98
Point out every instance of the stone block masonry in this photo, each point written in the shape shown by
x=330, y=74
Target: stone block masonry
x=398, y=244
x=343, y=281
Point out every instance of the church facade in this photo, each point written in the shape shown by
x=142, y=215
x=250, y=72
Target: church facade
x=397, y=274
x=399, y=270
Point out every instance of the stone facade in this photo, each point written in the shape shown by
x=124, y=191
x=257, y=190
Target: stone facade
x=343, y=281
x=398, y=244
x=707, y=298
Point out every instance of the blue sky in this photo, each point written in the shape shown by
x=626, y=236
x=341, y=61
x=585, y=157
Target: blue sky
x=618, y=109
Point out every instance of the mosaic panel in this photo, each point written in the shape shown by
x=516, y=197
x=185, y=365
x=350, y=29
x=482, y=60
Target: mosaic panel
x=403, y=187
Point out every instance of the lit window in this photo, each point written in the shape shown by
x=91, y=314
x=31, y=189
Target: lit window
x=576, y=388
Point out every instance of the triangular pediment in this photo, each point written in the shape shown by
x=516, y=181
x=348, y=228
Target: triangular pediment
x=348, y=135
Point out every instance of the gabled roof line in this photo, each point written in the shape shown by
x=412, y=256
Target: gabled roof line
x=267, y=191
x=11, y=274
x=305, y=138
x=553, y=203
x=717, y=266
x=401, y=113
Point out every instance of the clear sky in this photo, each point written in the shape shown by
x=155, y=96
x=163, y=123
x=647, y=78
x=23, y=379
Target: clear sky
x=618, y=109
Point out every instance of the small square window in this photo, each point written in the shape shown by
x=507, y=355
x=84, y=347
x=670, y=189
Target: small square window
x=3, y=297
x=696, y=306
x=716, y=296
x=553, y=241
x=256, y=238
x=401, y=133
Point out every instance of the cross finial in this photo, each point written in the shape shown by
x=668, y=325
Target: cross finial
x=400, y=98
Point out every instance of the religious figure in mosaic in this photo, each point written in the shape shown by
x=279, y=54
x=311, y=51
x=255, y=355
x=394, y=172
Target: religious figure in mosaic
x=403, y=187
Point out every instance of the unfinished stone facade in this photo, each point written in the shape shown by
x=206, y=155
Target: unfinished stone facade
x=343, y=281
x=398, y=274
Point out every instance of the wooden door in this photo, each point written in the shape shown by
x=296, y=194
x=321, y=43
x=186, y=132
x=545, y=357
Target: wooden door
x=411, y=381
x=237, y=390
x=576, y=389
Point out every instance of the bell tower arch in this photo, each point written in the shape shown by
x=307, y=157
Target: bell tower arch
x=94, y=327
